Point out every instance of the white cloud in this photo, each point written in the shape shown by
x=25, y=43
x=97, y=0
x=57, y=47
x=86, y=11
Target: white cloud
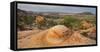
x=52, y=8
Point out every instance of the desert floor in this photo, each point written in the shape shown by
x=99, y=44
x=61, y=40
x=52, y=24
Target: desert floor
x=34, y=39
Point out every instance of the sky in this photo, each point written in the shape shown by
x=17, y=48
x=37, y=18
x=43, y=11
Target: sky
x=53, y=8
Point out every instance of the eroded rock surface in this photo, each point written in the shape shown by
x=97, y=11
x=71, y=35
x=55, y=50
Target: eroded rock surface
x=58, y=35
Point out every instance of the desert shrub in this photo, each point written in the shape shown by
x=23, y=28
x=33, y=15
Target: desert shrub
x=50, y=23
x=24, y=21
x=71, y=22
x=28, y=20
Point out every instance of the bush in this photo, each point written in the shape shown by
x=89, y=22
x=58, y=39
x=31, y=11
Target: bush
x=25, y=21
x=71, y=22
x=50, y=23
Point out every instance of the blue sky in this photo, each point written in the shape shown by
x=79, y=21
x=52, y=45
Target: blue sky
x=52, y=8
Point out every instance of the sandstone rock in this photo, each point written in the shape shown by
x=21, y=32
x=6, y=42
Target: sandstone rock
x=57, y=34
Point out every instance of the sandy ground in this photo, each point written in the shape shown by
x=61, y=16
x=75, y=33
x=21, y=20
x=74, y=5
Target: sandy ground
x=36, y=39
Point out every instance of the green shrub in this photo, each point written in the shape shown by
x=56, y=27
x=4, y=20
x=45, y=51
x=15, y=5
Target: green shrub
x=71, y=22
x=50, y=23
x=24, y=21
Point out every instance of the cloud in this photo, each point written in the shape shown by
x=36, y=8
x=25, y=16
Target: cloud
x=52, y=8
